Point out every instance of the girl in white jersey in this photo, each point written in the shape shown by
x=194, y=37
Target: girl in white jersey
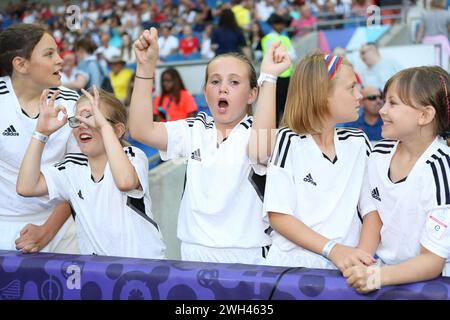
x=220, y=218
x=408, y=184
x=29, y=63
x=107, y=184
x=316, y=170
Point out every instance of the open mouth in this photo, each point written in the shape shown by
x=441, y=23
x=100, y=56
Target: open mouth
x=223, y=105
x=57, y=73
x=85, y=137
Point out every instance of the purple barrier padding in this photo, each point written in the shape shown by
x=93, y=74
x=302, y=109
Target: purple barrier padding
x=47, y=276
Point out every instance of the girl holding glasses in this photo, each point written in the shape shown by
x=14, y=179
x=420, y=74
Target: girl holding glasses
x=107, y=184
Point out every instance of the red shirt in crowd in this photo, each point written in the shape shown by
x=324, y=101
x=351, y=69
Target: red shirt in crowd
x=188, y=45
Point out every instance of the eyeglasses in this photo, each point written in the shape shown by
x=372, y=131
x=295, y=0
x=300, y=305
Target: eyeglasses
x=75, y=123
x=374, y=97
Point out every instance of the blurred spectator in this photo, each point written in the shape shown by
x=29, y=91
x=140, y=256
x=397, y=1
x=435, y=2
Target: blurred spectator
x=278, y=24
x=106, y=49
x=206, y=51
x=90, y=71
x=369, y=120
x=174, y=101
x=306, y=23
x=120, y=77
x=378, y=70
x=69, y=71
x=434, y=29
x=256, y=36
x=189, y=43
x=127, y=51
x=228, y=37
x=330, y=14
x=242, y=14
x=264, y=8
x=168, y=43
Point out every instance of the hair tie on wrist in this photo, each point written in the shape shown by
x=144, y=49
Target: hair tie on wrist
x=145, y=78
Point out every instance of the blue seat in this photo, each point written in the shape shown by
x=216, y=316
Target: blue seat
x=201, y=103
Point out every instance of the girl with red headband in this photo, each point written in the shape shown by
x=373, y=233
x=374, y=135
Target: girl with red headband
x=316, y=171
x=408, y=184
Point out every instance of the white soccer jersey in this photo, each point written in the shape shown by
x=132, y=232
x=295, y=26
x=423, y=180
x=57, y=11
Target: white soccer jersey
x=322, y=193
x=415, y=211
x=109, y=222
x=16, y=130
x=222, y=201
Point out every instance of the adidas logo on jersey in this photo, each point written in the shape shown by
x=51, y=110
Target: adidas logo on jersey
x=10, y=131
x=309, y=179
x=376, y=194
x=196, y=155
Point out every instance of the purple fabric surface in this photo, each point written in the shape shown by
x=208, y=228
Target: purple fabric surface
x=46, y=276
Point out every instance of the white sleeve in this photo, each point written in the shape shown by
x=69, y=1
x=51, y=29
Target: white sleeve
x=178, y=140
x=435, y=233
x=140, y=163
x=280, y=192
x=366, y=203
x=56, y=182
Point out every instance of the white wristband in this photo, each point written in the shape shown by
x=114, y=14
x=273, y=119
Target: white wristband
x=39, y=136
x=328, y=247
x=266, y=77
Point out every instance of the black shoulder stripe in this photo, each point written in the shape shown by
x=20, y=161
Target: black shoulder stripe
x=284, y=143
x=384, y=145
x=65, y=90
x=76, y=154
x=71, y=161
x=65, y=93
x=350, y=134
x=358, y=135
x=381, y=151
x=441, y=173
x=81, y=159
x=201, y=116
x=4, y=92
x=3, y=86
x=247, y=123
x=63, y=98
x=345, y=130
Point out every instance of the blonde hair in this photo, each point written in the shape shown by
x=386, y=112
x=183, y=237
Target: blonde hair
x=116, y=111
x=307, y=98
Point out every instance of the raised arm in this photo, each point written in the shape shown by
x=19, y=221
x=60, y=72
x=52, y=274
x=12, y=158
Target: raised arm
x=123, y=172
x=31, y=182
x=262, y=138
x=141, y=125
